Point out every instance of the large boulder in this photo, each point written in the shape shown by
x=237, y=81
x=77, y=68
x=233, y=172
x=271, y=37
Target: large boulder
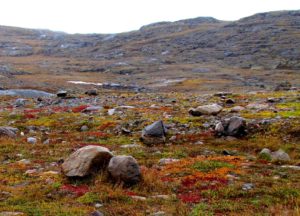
x=124, y=169
x=86, y=160
x=154, y=133
x=211, y=109
x=9, y=132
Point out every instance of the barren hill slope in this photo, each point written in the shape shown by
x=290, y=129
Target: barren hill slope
x=195, y=54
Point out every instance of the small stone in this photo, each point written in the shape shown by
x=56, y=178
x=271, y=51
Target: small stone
x=32, y=140
x=219, y=128
x=31, y=171
x=6, y=213
x=46, y=142
x=159, y=213
x=291, y=167
x=131, y=146
x=165, y=161
x=92, y=92
x=84, y=128
x=111, y=111
x=163, y=197
x=96, y=213
x=237, y=109
x=198, y=143
x=98, y=205
x=139, y=198
x=24, y=161
x=230, y=101
x=247, y=186
x=62, y=94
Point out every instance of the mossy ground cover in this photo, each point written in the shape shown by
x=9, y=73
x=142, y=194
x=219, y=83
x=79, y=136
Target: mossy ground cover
x=203, y=182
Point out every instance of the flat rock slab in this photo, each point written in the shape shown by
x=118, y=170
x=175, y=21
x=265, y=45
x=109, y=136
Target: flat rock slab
x=86, y=160
x=25, y=93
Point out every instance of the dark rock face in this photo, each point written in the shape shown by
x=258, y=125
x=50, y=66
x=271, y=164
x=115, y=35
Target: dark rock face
x=62, y=94
x=154, y=133
x=124, y=169
x=157, y=129
x=235, y=126
x=91, y=92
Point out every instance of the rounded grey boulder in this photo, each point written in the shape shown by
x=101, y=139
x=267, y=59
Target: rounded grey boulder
x=86, y=160
x=124, y=169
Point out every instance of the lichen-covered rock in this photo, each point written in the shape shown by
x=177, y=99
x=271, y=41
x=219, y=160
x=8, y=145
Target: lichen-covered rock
x=211, y=109
x=86, y=160
x=124, y=169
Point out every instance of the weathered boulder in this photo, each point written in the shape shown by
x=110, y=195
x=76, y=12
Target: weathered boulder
x=86, y=160
x=124, y=169
x=211, y=109
x=8, y=131
x=154, y=133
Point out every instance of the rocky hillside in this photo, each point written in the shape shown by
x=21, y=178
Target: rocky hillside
x=175, y=50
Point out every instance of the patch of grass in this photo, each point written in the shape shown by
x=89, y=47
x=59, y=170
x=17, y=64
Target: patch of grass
x=201, y=209
x=207, y=166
